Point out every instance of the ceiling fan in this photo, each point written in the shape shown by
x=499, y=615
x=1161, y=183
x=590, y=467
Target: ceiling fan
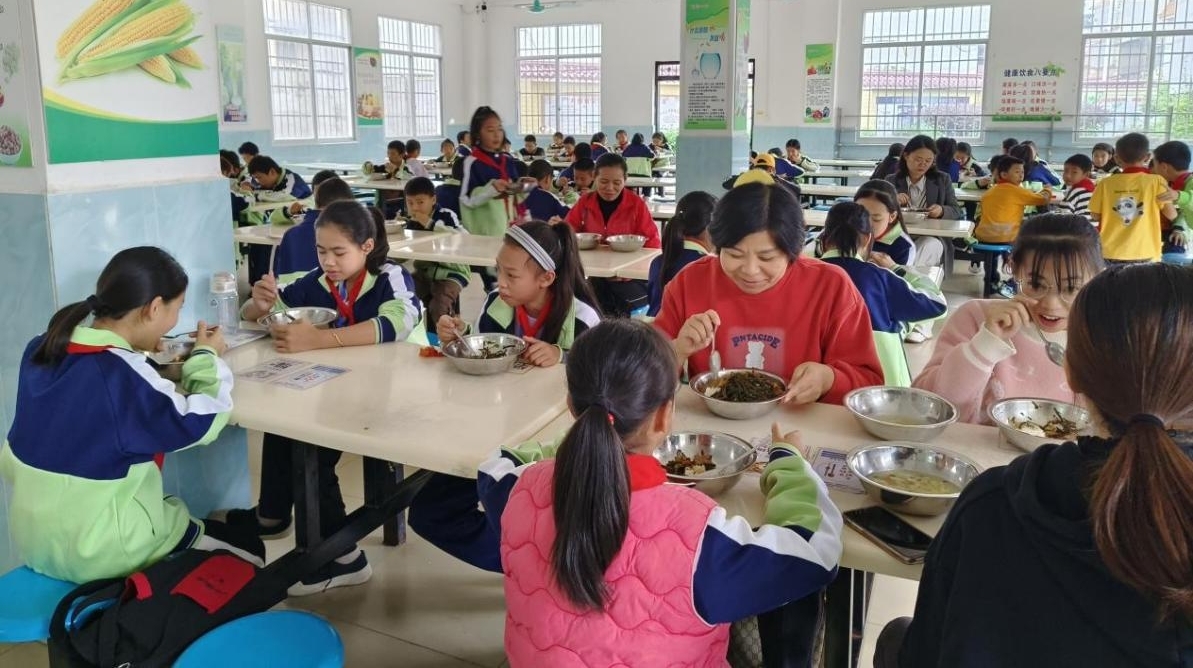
x=538, y=6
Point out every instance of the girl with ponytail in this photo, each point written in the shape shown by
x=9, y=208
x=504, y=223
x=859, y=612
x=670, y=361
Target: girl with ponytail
x=93, y=420
x=1082, y=552
x=541, y=294
x=607, y=565
x=685, y=240
x=376, y=303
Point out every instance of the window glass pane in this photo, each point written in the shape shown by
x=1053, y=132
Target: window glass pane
x=413, y=90
x=1172, y=86
x=395, y=34
x=330, y=24
x=399, y=112
x=426, y=97
x=899, y=25
x=290, y=89
x=957, y=23
x=425, y=39
x=1118, y=16
x=287, y=18
x=1175, y=15
x=333, y=92
x=559, y=79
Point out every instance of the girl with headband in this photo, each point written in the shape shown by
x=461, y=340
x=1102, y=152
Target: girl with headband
x=541, y=294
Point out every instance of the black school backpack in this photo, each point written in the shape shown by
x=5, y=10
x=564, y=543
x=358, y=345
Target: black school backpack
x=147, y=619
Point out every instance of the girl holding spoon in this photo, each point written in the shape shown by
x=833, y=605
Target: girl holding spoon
x=999, y=348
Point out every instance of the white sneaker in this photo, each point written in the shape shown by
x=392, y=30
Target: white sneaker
x=918, y=334
x=332, y=575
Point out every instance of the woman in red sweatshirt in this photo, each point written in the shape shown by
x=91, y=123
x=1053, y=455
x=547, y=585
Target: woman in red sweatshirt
x=765, y=307
x=609, y=209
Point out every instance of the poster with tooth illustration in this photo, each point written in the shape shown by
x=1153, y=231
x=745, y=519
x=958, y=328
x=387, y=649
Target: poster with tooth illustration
x=14, y=111
x=128, y=79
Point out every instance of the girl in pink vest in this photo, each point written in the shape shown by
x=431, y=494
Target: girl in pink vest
x=605, y=565
x=994, y=349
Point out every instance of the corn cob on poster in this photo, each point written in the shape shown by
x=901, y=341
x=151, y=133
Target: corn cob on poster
x=127, y=79
x=14, y=113
x=368, y=87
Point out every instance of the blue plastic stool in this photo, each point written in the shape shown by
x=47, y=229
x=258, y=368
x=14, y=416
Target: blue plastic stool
x=27, y=602
x=277, y=638
x=1177, y=258
x=990, y=254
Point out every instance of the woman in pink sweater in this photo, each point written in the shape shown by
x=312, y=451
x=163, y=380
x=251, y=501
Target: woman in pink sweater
x=993, y=349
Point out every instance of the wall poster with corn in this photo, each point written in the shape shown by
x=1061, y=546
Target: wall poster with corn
x=14, y=112
x=127, y=79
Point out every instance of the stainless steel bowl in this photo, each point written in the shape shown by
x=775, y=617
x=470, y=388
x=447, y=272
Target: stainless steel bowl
x=588, y=240
x=901, y=413
x=1010, y=411
x=172, y=351
x=734, y=410
x=869, y=460
x=914, y=215
x=394, y=226
x=316, y=315
x=457, y=352
x=732, y=456
x=626, y=243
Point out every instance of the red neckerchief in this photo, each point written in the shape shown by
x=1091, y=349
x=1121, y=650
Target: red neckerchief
x=83, y=349
x=524, y=319
x=1085, y=184
x=484, y=158
x=1136, y=170
x=1179, y=183
x=645, y=472
x=346, y=309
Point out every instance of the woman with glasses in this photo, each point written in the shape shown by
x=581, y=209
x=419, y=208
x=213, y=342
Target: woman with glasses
x=923, y=187
x=994, y=349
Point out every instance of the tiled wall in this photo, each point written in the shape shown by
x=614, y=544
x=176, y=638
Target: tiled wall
x=62, y=242
x=28, y=303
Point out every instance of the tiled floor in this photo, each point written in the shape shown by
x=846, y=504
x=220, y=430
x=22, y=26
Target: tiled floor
x=423, y=608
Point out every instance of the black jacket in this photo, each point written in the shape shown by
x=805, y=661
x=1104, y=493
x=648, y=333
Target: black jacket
x=937, y=190
x=1014, y=579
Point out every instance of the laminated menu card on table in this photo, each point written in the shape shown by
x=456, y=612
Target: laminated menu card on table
x=292, y=373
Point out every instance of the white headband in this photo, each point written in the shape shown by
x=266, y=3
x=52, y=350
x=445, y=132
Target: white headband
x=531, y=246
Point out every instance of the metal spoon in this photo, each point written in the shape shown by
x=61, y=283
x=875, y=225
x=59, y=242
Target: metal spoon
x=466, y=342
x=1055, y=351
x=714, y=360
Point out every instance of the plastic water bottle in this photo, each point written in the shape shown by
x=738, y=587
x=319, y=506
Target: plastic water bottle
x=224, y=305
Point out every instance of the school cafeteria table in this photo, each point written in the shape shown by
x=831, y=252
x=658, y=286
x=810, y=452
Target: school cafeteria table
x=271, y=235
x=266, y=206
x=841, y=175
x=650, y=182
x=833, y=428
x=481, y=251
x=818, y=190
x=373, y=412
x=377, y=184
x=342, y=168
x=850, y=164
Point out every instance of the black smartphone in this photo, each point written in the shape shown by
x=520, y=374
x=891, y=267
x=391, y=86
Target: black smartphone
x=890, y=532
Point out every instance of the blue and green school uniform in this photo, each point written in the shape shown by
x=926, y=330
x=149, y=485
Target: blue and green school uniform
x=656, y=282
x=386, y=299
x=543, y=204
x=87, y=499
x=898, y=245
x=893, y=298
x=441, y=219
x=497, y=317
x=484, y=210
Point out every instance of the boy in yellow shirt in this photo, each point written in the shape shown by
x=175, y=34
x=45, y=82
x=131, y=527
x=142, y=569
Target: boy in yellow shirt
x=1004, y=204
x=1129, y=205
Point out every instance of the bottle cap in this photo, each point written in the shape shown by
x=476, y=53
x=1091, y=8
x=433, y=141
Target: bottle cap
x=223, y=282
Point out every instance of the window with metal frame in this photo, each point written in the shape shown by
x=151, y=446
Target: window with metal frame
x=310, y=71
x=559, y=79
x=1136, y=69
x=667, y=95
x=923, y=71
x=411, y=65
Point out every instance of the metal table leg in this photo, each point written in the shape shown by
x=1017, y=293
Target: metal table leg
x=381, y=479
x=846, y=602
x=305, y=469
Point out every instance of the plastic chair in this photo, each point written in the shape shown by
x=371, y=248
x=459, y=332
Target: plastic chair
x=1177, y=258
x=989, y=253
x=277, y=638
x=27, y=602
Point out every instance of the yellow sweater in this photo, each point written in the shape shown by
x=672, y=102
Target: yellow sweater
x=1002, y=212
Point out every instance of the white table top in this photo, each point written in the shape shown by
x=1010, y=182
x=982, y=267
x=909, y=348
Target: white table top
x=376, y=184
x=821, y=190
x=943, y=228
x=838, y=174
x=397, y=406
x=481, y=251
x=849, y=164
x=267, y=206
x=271, y=235
x=832, y=427
x=341, y=167
x=650, y=182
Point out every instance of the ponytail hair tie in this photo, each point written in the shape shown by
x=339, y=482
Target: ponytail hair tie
x=92, y=304
x=606, y=411
x=1146, y=418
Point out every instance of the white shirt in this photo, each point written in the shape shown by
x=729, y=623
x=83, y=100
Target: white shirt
x=918, y=193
